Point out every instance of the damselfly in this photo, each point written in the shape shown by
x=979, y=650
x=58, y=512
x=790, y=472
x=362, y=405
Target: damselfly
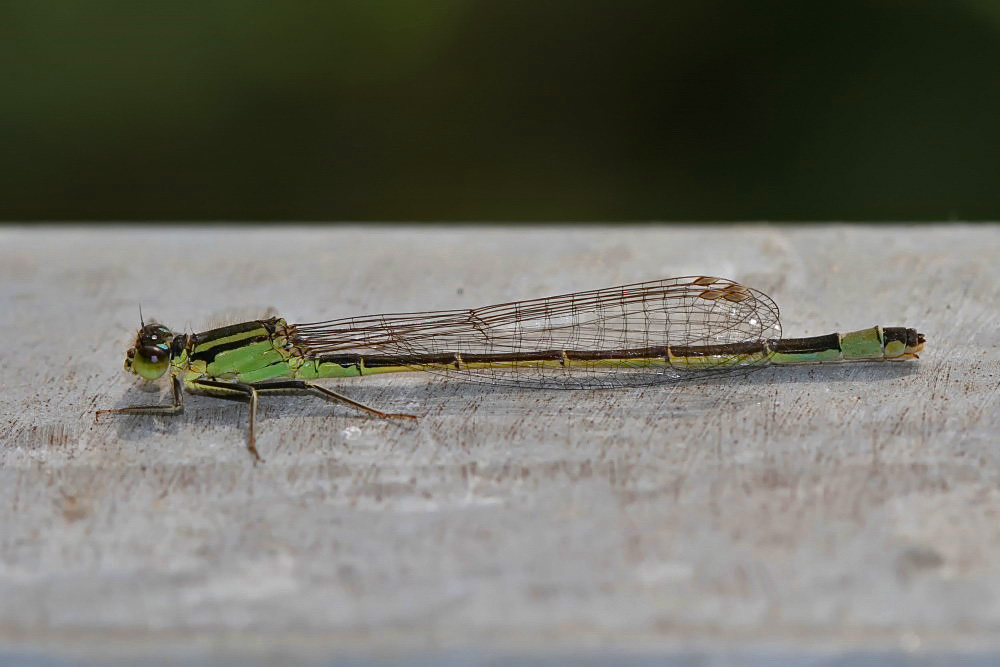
x=663, y=331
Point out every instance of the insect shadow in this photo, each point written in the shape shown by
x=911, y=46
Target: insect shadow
x=429, y=398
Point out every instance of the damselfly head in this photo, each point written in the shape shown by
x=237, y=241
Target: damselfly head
x=149, y=356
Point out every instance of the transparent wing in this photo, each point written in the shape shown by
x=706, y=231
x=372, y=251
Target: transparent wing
x=688, y=311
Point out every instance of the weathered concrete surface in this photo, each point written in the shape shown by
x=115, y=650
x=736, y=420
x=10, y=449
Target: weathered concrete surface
x=796, y=510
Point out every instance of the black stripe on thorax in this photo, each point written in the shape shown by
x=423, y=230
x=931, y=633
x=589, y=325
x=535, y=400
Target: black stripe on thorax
x=234, y=329
x=208, y=355
x=263, y=328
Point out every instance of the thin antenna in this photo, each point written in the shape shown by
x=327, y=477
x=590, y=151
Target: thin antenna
x=143, y=324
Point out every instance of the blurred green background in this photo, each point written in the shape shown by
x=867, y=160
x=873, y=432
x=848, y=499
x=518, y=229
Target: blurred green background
x=511, y=110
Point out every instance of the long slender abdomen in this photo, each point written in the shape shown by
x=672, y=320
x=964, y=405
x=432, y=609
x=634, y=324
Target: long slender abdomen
x=353, y=365
x=873, y=344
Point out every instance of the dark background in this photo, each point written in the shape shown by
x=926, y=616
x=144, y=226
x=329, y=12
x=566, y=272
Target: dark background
x=517, y=110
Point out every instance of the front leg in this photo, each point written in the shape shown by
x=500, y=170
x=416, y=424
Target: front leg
x=216, y=387
x=174, y=408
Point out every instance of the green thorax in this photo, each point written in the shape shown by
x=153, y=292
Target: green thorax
x=246, y=352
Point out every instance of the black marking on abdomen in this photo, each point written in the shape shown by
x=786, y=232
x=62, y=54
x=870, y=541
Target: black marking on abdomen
x=343, y=360
x=724, y=349
x=487, y=358
x=908, y=337
x=813, y=344
x=562, y=356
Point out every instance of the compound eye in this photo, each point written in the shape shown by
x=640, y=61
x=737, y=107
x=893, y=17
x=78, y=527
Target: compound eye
x=151, y=361
x=155, y=334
